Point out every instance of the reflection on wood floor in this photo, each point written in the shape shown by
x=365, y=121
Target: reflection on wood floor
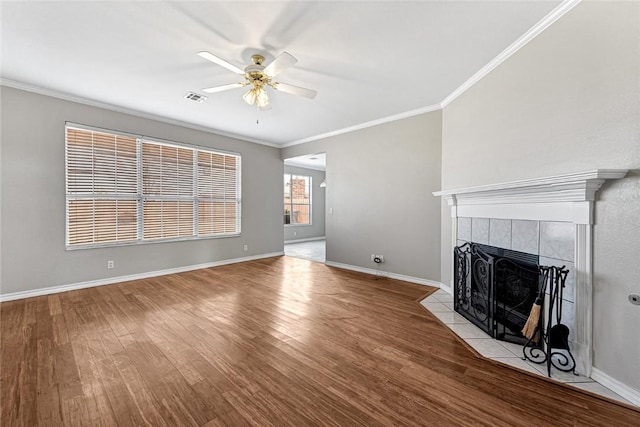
x=274, y=342
x=313, y=250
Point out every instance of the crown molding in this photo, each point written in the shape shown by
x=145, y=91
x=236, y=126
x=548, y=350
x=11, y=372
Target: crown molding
x=388, y=119
x=92, y=103
x=542, y=25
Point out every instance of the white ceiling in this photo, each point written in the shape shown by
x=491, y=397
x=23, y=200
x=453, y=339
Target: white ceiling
x=367, y=60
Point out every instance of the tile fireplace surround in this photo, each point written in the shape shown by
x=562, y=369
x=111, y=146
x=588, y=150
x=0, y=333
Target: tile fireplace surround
x=551, y=217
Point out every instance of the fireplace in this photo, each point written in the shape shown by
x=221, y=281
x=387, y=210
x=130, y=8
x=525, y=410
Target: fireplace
x=558, y=207
x=495, y=288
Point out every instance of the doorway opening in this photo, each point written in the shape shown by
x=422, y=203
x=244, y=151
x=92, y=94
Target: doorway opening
x=304, y=207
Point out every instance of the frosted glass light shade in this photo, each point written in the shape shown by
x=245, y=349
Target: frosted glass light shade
x=257, y=95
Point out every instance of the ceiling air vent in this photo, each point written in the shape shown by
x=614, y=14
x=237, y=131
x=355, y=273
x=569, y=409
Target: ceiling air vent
x=195, y=97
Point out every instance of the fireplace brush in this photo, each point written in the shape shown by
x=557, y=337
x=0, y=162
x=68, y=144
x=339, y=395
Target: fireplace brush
x=531, y=327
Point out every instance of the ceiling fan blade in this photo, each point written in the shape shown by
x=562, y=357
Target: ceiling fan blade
x=295, y=90
x=278, y=65
x=223, y=88
x=229, y=66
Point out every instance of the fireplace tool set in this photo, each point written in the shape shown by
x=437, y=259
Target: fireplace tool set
x=554, y=349
x=504, y=293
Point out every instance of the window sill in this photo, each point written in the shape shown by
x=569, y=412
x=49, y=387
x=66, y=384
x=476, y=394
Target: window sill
x=148, y=242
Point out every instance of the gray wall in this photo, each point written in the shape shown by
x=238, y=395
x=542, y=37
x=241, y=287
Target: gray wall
x=33, y=198
x=568, y=101
x=316, y=229
x=379, y=184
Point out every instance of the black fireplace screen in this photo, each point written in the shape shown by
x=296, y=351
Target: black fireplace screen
x=495, y=289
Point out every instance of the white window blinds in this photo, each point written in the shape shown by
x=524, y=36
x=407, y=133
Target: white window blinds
x=122, y=189
x=167, y=186
x=218, y=194
x=101, y=188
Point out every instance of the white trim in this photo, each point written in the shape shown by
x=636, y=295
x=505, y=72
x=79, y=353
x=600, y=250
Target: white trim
x=111, y=280
x=388, y=119
x=309, y=239
x=396, y=276
x=534, y=31
x=99, y=104
x=583, y=303
x=631, y=394
x=447, y=288
x=570, y=187
x=567, y=198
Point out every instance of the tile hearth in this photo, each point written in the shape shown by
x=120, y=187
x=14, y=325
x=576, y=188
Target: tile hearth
x=440, y=304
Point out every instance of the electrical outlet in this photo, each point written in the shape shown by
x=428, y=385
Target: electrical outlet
x=295, y=233
x=378, y=259
x=246, y=247
x=110, y=264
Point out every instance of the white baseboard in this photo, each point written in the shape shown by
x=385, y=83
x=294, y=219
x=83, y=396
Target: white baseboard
x=447, y=288
x=375, y=272
x=309, y=239
x=584, y=362
x=111, y=280
x=631, y=394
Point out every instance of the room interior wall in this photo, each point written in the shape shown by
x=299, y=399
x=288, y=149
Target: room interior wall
x=378, y=195
x=33, y=198
x=568, y=101
x=316, y=228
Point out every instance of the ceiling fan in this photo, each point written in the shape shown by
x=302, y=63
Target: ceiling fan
x=259, y=77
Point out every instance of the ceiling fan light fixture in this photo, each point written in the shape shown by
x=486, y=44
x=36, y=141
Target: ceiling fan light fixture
x=262, y=98
x=250, y=96
x=259, y=77
x=258, y=96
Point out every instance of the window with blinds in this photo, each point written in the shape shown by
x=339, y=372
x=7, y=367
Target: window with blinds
x=217, y=184
x=124, y=189
x=167, y=191
x=297, y=199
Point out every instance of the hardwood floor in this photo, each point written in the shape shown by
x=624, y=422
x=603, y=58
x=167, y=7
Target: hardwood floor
x=274, y=342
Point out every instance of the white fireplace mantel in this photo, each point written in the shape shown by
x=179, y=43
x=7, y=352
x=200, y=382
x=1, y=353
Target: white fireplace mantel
x=563, y=198
x=567, y=197
x=572, y=187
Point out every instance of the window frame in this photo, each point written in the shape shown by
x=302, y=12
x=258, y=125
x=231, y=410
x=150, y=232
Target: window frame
x=140, y=197
x=291, y=204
